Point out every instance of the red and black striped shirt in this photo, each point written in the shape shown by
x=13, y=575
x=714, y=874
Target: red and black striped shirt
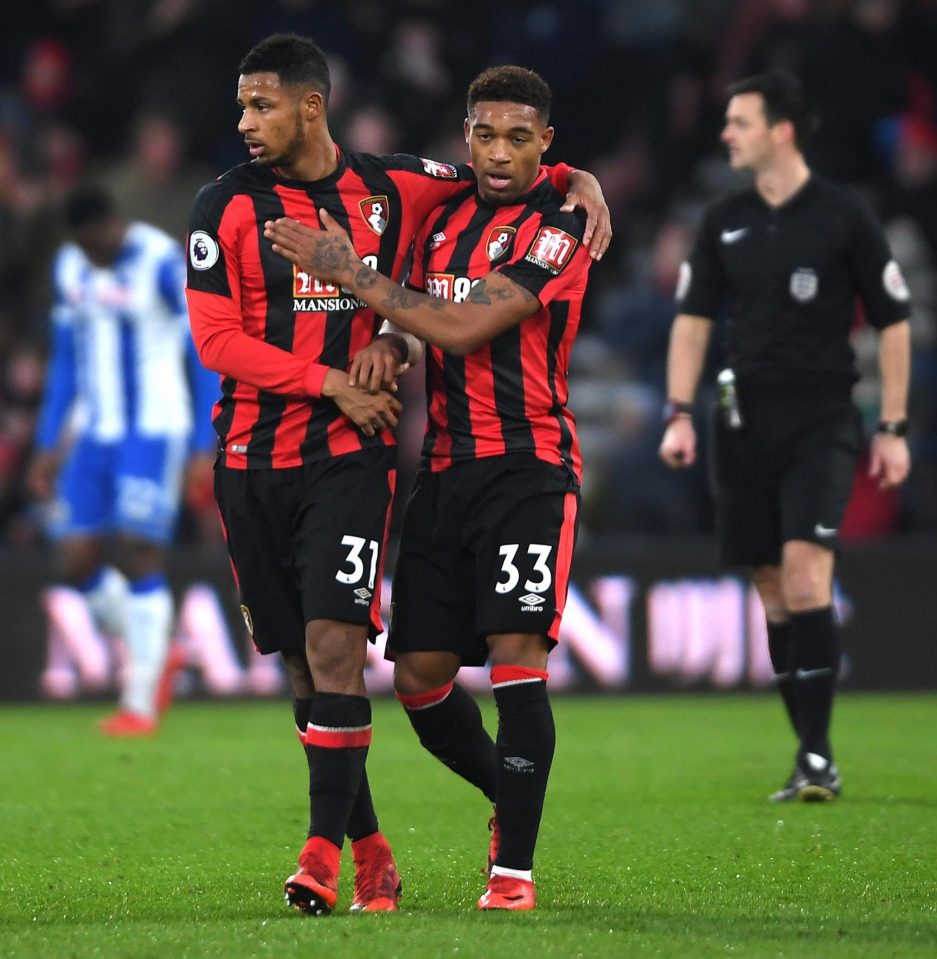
x=273, y=331
x=510, y=395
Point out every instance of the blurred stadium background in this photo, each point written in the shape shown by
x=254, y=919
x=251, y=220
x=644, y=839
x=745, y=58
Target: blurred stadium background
x=140, y=93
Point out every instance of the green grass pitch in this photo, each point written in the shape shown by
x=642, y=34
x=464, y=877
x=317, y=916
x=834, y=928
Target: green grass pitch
x=656, y=841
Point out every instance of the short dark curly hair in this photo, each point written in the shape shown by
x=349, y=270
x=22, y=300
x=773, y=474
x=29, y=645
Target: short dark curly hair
x=512, y=84
x=296, y=60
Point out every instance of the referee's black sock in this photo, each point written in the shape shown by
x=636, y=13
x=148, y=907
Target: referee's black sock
x=779, y=649
x=337, y=740
x=526, y=741
x=363, y=819
x=814, y=662
x=449, y=724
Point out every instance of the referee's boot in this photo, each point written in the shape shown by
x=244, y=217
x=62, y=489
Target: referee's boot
x=814, y=779
x=313, y=888
x=377, y=882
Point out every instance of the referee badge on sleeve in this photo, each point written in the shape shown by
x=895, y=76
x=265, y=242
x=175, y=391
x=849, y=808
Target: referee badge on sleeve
x=893, y=281
x=804, y=284
x=684, y=279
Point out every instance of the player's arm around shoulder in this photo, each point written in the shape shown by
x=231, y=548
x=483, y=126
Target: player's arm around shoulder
x=494, y=304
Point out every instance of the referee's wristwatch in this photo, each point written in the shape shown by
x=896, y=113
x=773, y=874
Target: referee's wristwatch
x=674, y=408
x=893, y=427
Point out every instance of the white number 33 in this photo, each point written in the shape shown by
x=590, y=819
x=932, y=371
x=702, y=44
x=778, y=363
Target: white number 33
x=512, y=576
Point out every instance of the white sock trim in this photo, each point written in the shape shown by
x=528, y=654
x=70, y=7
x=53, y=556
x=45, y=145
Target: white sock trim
x=513, y=873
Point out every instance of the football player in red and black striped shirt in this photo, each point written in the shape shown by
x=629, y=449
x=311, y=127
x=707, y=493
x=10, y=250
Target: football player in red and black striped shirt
x=491, y=523
x=305, y=473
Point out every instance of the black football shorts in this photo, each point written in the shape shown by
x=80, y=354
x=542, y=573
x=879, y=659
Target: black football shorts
x=783, y=478
x=485, y=548
x=308, y=543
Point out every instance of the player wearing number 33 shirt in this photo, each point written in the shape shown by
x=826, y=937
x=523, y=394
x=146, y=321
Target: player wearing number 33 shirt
x=491, y=522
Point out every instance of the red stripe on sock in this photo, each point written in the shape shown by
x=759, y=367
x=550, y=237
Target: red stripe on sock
x=338, y=738
x=501, y=675
x=425, y=700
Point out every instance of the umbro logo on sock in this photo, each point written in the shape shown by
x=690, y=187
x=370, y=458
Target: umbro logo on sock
x=518, y=764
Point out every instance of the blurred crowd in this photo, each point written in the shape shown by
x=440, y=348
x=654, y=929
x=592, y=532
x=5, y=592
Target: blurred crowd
x=140, y=94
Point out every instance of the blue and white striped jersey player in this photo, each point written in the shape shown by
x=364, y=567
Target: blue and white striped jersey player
x=126, y=412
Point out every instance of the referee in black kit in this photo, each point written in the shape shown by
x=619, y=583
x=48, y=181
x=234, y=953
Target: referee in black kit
x=783, y=262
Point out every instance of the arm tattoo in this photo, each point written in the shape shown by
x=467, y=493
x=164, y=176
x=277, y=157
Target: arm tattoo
x=401, y=297
x=478, y=294
x=404, y=299
x=331, y=256
x=366, y=278
x=482, y=293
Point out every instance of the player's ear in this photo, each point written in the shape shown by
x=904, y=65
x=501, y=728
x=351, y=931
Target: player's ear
x=546, y=138
x=466, y=129
x=313, y=104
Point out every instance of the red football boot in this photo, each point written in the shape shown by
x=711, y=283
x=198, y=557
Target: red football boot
x=377, y=882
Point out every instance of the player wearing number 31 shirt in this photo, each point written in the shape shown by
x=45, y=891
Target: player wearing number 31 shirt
x=305, y=473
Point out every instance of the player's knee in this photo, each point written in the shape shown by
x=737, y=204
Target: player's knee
x=78, y=560
x=336, y=653
x=416, y=673
x=767, y=582
x=298, y=671
x=805, y=590
x=519, y=649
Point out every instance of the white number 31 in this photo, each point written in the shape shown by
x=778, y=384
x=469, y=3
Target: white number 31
x=353, y=559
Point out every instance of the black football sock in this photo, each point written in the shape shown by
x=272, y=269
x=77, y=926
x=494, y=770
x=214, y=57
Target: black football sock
x=449, y=724
x=814, y=663
x=363, y=819
x=526, y=741
x=337, y=740
x=779, y=649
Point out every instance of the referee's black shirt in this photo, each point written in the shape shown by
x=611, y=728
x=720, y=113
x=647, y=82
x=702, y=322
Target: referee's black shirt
x=786, y=280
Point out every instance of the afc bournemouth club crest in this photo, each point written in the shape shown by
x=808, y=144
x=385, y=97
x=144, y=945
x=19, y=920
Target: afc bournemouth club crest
x=500, y=242
x=804, y=284
x=374, y=210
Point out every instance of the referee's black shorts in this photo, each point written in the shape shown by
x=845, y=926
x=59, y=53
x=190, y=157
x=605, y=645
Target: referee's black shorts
x=787, y=474
x=308, y=543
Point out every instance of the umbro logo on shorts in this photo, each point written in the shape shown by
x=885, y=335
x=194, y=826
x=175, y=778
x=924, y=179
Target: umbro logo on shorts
x=364, y=596
x=517, y=764
x=530, y=602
